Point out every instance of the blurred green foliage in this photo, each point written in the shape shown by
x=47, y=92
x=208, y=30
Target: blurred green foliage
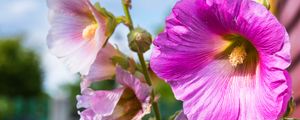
x=21, y=95
x=20, y=72
x=20, y=108
x=73, y=90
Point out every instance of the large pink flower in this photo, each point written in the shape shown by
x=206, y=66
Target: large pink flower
x=78, y=32
x=225, y=59
x=131, y=101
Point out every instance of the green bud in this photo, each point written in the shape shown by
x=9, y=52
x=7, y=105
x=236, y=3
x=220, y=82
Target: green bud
x=139, y=40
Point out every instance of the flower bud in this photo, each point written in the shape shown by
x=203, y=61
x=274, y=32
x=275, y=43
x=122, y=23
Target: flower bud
x=139, y=40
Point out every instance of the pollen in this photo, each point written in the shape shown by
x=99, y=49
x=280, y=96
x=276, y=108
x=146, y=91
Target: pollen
x=89, y=31
x=237, y=56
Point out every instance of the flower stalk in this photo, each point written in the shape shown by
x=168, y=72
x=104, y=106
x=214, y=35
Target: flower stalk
x=129, y=24
x=127, y=14
x=147, y=78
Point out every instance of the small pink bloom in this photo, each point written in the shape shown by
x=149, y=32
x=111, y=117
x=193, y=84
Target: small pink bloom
x=131, y=101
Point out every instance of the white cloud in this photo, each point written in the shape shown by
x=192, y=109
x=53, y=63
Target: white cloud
x=22, y=7
x=17, y=9
x=56, y=74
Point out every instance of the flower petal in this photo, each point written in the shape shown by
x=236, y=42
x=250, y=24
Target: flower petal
x=87, y=114
x=168, y=56
x=81, y=59
x=68, y=19
x=103, y=67
x=129, y=107
x=132, y=101
x=215, y=93
x=94, y=100
x=99, y=17
x=142, y=90
x=75, y=7
x=262, y=29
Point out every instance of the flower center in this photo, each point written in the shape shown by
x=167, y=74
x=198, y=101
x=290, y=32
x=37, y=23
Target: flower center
x=89, y=31
x=237, y=56
x=240, y=53
x=127, y=107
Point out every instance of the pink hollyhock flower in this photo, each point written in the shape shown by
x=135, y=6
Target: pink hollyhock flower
x=78, y=31
x=225, y=59
x=131, y=101
x=103, y=68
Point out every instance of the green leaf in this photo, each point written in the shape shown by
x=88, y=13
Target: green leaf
x=123, y=62
x=175, y=115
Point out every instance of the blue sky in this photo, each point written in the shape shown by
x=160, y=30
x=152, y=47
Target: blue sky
x=29, y=17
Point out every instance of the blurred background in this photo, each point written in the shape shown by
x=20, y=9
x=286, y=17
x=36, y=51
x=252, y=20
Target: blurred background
x=35, y=85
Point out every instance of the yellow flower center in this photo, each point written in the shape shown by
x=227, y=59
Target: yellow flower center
x=240, y=52
x=89, y=31
x=237, y=56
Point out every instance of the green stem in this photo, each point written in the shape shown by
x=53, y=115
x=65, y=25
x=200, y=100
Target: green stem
x=155, y=106
x=144, y=68
x=147, y=78
x=129, y=23
x=127, y=15
x=121, y=19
